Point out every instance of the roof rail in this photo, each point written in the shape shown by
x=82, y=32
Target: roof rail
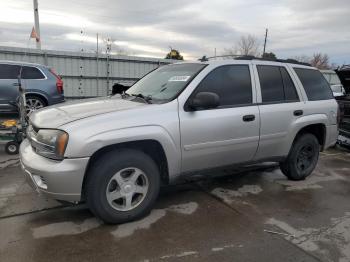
x=248, y=57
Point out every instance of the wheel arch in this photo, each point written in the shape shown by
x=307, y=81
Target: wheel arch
x=151, y=147
x=317, y=129
x=40, y=95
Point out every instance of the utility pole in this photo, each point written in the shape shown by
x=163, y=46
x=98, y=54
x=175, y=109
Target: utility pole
x=97, y=63
x=265, y=41
x=36, y=23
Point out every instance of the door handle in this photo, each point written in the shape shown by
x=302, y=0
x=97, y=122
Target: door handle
x=298, y=112
x=248, y=118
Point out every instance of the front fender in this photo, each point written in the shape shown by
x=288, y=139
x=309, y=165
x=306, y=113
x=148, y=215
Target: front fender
x=87, y=146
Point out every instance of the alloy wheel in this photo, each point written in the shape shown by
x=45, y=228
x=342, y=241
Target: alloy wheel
x=33, y=104
x=127, y=189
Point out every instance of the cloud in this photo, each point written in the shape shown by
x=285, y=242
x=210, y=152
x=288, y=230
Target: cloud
x=193, y=27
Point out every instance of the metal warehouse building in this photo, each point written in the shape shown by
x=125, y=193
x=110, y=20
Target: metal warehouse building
x=87, y=74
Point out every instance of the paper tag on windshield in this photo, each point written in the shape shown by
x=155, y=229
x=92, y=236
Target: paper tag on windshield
x=179, y=78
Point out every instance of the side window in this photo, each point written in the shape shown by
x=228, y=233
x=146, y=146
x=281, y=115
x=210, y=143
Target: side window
x=29, y=72
x=276, y=85
x=232, y=83
x=271, y=84
x=9, y=71
x=289, y=88
x=315, y=85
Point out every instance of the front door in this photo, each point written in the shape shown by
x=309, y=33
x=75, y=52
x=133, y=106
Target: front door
x=225, y=135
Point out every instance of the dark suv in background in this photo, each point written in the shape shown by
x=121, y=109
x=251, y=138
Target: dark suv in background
x=43, y=86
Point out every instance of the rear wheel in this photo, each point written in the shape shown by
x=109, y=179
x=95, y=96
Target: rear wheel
x=302, y=158
x=122, y=186
x=34, y=103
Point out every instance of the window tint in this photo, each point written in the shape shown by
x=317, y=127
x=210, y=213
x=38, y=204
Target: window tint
x=9, y=71
x=29, y=72
x=315, y=85
x=289, y=88
x=276, y=85
x=271, y=84
x=232, y=83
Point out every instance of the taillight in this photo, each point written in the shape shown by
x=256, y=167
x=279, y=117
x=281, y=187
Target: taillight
x=340, y=114
x=59, y=82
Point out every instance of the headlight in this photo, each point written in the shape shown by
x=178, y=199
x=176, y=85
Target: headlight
x=50, y=143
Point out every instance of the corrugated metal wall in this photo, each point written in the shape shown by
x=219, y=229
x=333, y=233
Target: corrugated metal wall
x=85, y=74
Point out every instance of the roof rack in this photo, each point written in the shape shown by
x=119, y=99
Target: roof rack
x=248, y=57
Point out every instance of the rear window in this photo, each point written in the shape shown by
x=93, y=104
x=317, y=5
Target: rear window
x=9, y=71
x=29, y=72
x=276, y=85
x=315, y=85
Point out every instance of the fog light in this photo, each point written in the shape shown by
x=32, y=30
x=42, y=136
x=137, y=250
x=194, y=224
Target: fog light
x=39, y=182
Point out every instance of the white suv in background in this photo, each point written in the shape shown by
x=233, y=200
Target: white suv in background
x=335, y=83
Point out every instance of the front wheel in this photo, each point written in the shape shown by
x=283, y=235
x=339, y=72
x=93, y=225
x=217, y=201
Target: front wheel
x=122, y=186
x=302, y=158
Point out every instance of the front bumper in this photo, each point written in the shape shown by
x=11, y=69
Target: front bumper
x=60, y=180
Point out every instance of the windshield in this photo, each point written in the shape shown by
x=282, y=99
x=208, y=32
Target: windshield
x=166, y=82
x=332, y=78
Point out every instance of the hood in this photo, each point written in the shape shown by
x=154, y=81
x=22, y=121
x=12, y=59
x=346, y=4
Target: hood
x=57, y=115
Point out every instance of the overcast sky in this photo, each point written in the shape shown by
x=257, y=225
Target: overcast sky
x=196, y=28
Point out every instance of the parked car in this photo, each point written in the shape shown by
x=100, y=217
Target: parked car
x=43, y=86
x=115, y=153
x=344, y=122
x=334, y=81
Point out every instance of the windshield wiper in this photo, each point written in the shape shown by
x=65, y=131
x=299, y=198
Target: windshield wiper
x=147, y=99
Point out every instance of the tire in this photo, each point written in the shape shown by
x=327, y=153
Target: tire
x=12, y=148
x=302, y=158
x=34, y=103
x=122, y=165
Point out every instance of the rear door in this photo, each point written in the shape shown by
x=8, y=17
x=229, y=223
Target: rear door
x=224, y=135
x=279, y=106
x=8, y=86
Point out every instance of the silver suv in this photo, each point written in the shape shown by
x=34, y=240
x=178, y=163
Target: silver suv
x=116, y=152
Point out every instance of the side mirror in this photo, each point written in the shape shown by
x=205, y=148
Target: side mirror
x=204, y=100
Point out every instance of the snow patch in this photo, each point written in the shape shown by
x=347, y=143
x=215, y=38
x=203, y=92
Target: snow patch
x=311, y=182
x=65, y=228
x=128, y=229
x=228, y=195
x=185, y=209
x=337, y=234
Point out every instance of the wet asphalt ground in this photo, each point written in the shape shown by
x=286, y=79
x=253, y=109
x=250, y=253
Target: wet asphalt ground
x=253, y=214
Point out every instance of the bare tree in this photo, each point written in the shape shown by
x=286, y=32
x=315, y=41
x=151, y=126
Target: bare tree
x=247, y=45
x=320, y=61
x=302, y=58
